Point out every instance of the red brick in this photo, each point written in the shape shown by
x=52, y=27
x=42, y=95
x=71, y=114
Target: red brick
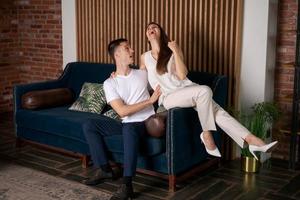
x=23, y=49
x=286, y=42
x=53, y=46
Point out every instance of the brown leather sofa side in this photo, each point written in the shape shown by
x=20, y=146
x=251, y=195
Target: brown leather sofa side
x=47, y=98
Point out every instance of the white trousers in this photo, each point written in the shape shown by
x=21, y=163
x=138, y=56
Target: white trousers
x=209, y=112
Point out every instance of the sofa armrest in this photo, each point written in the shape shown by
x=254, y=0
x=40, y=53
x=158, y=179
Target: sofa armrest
x=19, y=90
x=220, y=90
x=183, y=146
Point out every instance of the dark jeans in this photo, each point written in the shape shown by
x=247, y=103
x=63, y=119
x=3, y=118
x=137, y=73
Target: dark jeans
x=132, y=134
x=95, y=130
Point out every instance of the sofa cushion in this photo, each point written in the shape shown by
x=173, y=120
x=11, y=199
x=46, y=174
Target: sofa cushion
x=67, y=123
x=61, y=121
x=78, y=73
x=91, y=98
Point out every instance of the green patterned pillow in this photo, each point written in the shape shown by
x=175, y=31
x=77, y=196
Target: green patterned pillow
x=91, y=98
x=112, y=114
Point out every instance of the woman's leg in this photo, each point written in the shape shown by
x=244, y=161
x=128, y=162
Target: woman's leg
x=234, y=129
x=209, y=112
x=230, y=125
x=198, y=96
x=252, y=139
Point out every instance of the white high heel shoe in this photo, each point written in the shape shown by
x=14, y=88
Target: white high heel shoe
x=214, y=152
x=265, y=148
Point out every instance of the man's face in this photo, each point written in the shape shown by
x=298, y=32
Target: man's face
x=124, y=54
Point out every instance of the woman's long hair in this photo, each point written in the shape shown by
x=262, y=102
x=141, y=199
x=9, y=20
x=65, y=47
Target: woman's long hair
x=164, y=51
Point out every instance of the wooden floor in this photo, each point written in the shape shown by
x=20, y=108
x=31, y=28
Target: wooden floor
x=226, y=182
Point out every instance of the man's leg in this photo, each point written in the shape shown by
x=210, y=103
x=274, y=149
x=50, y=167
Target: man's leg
x=94, y=131
x=131, y=137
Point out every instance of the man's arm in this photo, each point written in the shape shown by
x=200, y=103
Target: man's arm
x=125, y=110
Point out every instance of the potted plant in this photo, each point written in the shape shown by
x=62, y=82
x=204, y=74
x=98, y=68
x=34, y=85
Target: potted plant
x=260, y=123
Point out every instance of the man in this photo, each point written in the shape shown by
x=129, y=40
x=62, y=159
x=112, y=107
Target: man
x=128, y=95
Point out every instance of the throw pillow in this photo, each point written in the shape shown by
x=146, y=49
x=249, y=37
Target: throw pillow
x=112, y=114
x=91, y=98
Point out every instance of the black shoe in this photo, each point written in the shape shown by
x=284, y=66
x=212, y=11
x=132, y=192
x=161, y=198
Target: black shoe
x=123, y=193
x=99, y=177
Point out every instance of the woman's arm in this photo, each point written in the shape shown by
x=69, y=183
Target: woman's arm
x=180, y=67
x=142, y=62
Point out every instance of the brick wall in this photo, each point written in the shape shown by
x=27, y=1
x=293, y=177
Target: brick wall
x=8, y=33
x=284, y=74
x=9, y=59
x=38, y=32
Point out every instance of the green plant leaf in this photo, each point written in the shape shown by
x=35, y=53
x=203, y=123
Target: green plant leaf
x=260, y=121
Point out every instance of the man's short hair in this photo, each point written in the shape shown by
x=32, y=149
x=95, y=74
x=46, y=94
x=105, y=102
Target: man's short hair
x=112, y=46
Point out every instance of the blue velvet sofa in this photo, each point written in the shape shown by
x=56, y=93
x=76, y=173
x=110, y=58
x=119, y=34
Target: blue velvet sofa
x=172, y=157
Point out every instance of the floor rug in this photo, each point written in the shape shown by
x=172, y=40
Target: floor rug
x=21, y=183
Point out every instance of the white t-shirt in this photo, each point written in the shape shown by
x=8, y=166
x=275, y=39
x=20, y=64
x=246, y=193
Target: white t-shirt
x=131, y=89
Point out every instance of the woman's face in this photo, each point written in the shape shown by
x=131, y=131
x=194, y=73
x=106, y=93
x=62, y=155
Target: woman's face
x=152, y=32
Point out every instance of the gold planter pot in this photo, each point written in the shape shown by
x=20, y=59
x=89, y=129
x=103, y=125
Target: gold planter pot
x=250, y=164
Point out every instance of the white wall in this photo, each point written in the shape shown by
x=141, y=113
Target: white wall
x=69, y=31
x=258, y=52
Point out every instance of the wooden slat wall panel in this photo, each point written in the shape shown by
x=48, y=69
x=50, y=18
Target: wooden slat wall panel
x=208, y=31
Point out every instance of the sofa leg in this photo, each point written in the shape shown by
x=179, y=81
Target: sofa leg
x=85, y=161
x=172, y=183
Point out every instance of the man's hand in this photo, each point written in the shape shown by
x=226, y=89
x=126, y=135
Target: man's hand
x=113, y=75
x=154, y=97
x=125, y=110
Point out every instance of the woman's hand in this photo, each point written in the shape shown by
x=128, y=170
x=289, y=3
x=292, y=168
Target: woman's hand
x=175, y=48
x=180, y=67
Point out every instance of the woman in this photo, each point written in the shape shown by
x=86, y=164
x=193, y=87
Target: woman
x=165, y=66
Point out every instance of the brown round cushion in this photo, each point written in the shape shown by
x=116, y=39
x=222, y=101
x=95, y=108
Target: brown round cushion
x=39, y=99
x=156, y=124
